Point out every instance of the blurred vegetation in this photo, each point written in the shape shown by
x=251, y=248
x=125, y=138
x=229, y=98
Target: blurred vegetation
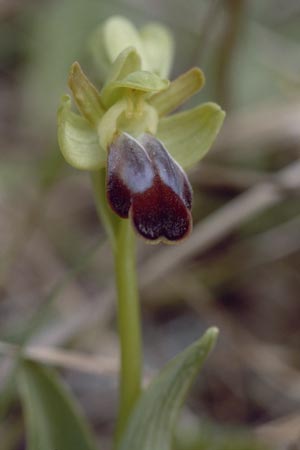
x=241, y=275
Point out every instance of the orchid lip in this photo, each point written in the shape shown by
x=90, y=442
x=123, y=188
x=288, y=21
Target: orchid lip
x=147, y=185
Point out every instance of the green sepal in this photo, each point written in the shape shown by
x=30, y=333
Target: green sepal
x=99, y=54
x=190, y=134
x=86, y=96
x=159, y=46
x=78, y=141
x=111, y=38
x=128, y=61
x=179, y=91
x=118, y=34
x=53, y=419
x=154, y=44
x=151, y=425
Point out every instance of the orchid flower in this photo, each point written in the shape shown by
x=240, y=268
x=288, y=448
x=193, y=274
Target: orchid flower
x=126, y=127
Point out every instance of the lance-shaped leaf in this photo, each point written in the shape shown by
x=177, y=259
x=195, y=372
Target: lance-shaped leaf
x=78, y=141
x=179, y=91
x=86, y=96
x=152, y=422
x=159, y=47
x=190, y=134
x=53, y=419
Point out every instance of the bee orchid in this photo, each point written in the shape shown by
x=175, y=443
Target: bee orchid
x=127, y=128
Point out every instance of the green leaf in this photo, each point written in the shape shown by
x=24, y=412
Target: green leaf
x=190, y=134
x=159, y=47
x=78, y=141
x=153, y=420
x=179, y=91
x=53, y=420
x=86, y=96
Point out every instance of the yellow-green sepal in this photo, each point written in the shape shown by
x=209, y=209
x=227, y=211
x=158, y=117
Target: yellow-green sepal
x=99, y=54
x=178, y=92
x=154, y=44
x=111, y=38
x=128, y=61
x=86, y=95
x=189, y=135
x=78, y=140
x=118, y=34
x=158, y=45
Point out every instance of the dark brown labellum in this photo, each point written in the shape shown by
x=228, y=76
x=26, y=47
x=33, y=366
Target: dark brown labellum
x=145, y=183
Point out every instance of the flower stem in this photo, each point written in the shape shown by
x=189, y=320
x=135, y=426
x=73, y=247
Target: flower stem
x=122, y=240
x=129, y=323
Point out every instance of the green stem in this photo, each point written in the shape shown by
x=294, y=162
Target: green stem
x=129, y=323
x=122, y=239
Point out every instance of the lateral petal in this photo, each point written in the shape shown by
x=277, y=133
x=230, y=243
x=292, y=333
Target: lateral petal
x=178, y=92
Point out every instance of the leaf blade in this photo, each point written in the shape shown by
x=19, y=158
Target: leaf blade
x=152, y=422
x=52, y=417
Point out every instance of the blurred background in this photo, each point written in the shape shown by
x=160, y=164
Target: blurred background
x=239, y=270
